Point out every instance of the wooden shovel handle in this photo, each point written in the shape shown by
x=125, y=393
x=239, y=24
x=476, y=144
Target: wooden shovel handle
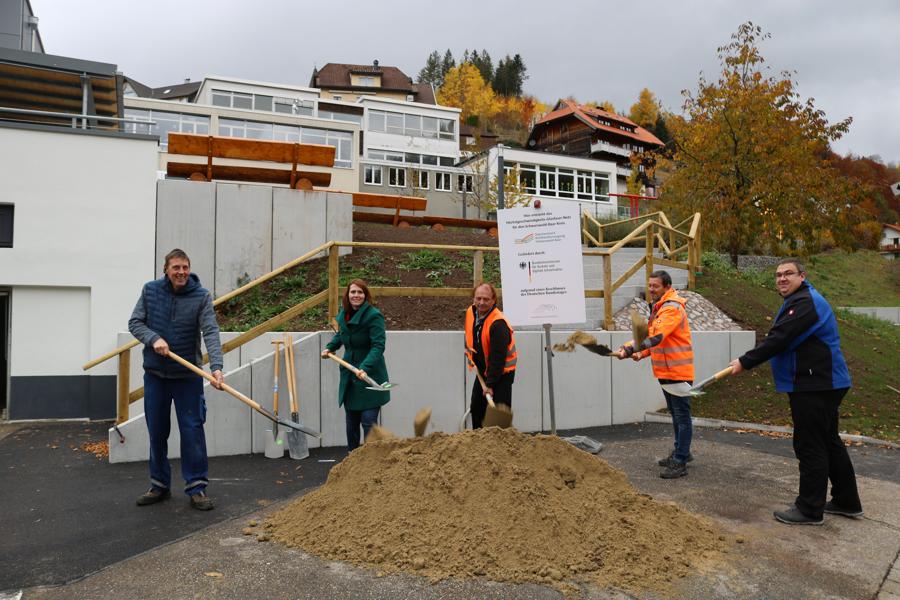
x=277, y=344
x=343, y=362
x=723, y=373
x=291, y=373
x=484, y=386
x=249, y=402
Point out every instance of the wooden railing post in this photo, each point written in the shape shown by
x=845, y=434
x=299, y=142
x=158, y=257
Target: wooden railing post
x=477, y=267
x=124, y=382
x=607, y=292
x=333, y=281
x=649, y=257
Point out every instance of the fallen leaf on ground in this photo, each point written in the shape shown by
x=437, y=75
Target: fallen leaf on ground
x=214, y=574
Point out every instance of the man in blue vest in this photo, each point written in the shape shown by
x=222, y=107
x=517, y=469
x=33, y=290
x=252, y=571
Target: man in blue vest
x=170, y=315
x=805, y=349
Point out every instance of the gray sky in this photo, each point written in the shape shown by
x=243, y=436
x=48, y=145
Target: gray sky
x=846, y=55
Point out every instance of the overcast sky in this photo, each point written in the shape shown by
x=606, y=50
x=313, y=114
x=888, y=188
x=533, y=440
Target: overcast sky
x=846, y=55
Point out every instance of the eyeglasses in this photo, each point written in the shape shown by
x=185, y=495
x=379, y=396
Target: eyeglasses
x=785, y=274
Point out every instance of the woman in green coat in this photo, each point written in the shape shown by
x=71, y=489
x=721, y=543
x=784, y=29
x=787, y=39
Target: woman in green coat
x=361, y=332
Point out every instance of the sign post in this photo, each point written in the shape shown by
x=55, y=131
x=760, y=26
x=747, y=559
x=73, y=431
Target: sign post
x=541, y=271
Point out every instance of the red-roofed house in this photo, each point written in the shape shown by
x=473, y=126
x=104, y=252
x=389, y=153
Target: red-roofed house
x=588, y=132
x=890, y=241
x=349, y=82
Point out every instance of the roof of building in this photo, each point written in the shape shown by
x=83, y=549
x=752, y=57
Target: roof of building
x=188, y=89
x=890, y=226
x=468, y=130
x=337, y=76
x=590, y=115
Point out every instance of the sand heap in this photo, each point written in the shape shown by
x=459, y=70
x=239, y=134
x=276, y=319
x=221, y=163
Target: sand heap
x=500, y=504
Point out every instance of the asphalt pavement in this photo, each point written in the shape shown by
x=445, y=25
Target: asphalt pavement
x=71, y=529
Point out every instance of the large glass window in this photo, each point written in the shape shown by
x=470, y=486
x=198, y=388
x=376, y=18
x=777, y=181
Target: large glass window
x=561, y=183
x=464, y=183
x=166, y=122
x=422, y=180
x=412, y=125
x=566, y=183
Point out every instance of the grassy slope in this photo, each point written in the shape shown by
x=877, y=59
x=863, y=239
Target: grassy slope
x=870, y=346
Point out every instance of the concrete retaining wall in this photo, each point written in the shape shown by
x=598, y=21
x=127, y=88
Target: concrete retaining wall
x=886, y=313
x=237, y=232
x=430, y=369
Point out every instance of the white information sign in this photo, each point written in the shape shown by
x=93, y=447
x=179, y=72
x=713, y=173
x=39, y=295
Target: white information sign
x=541, y=264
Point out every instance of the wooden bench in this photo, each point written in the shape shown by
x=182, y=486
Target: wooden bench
x=212, y=147
x=397, y=203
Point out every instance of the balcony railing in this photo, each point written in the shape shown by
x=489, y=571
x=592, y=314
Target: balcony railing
x=607, y=147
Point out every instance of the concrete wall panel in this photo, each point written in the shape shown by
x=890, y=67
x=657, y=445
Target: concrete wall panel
x=414, y=360
x=582, y=393
x=243, y=234
x=339, y=219
x=186, y=219
x=298, y=223
x=333, y=429
x=712, y=352
x=307, y=359
x=634, y=388
x=528, y=413
x=740, y=342
x=227, y=428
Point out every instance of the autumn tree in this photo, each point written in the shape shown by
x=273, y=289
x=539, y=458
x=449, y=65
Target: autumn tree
x=750, y=156
x=485, y=194
x=465, y=89
x=646, y=110
x=602, y=105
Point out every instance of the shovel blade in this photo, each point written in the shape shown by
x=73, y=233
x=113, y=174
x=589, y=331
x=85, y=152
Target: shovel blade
x=298, y=447
x=498, y=415
x=300, y=427
x=598, y=349
x=384, y=387
x=682, y=389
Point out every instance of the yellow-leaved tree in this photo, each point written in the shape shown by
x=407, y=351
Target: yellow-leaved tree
x=645, y=111
x=750, y=155
x=465, y=89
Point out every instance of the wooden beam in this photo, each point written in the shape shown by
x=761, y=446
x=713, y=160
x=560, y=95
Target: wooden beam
x=607, y=298
x=389, y=201
x=333, y=281
x=317, y=155
x=477, y=267
x=123, y=383
x=241, y=173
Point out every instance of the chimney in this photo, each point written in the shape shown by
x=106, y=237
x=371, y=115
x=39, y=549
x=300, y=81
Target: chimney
x=375, y=63
x=187, y=79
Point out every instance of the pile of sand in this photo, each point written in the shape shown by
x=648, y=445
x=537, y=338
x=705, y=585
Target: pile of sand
x=500, y=504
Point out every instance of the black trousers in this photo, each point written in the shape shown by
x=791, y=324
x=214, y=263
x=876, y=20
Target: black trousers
x=502, y=395
x=821, y=453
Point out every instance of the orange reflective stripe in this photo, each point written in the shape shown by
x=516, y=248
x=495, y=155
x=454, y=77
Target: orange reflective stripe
x=673, y=363
x=672, y=349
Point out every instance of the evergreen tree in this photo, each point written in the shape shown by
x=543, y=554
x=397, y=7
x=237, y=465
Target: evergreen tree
x=518, y=74
x=484, y=64
x=447, y=64
x=431, y=72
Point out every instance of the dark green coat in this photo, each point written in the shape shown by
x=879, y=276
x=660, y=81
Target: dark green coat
x=364, y=338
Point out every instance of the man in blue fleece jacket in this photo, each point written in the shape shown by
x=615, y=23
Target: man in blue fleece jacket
x=807, y=364
x=170, y=315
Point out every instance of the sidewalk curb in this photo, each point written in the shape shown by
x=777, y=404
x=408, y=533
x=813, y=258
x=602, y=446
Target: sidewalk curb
x=654, y=417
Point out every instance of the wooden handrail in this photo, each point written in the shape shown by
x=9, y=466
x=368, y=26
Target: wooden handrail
x=653, y=237
x=224, y=298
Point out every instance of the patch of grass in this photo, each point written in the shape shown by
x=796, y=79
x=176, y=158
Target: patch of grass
x=869, y=345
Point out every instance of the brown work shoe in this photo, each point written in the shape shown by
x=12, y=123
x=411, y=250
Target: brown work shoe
x=201, y=501
x=152, y=496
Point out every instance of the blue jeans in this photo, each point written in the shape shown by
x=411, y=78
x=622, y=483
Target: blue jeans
x=190, y=408
x=680, y=409
x=367, y=418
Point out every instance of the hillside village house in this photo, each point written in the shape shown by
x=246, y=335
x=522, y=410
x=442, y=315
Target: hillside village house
x=890, y=241
x=352, y=82
x=578, y=130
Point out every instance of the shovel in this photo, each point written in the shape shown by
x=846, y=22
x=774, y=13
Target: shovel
x=496, y=416
x=275, y=444
x=380, y=387
x=297, y=444
x=249, y=402
x=585, y=340
x=684, y=389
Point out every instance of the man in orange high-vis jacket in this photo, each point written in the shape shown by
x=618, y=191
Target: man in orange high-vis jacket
x=668, y=345
x=491, y=345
